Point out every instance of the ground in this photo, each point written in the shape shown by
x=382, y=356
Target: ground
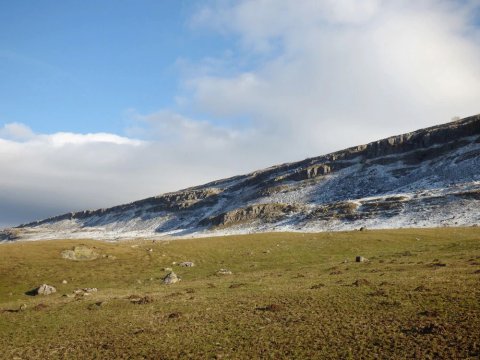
x=295, y=296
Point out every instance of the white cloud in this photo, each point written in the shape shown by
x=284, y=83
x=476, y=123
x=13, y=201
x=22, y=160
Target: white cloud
x=50, y=174
x=16, y=131
x=338, y=73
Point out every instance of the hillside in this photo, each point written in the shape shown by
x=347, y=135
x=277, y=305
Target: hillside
x=426, y=178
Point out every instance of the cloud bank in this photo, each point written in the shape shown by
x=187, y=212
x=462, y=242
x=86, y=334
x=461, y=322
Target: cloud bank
x=300, y=79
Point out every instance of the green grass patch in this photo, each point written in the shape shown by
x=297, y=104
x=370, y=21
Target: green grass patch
x=291, y=295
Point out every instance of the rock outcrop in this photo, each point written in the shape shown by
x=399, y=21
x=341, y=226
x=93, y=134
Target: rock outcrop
x=263, y=212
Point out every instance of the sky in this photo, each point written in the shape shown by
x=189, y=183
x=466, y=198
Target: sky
x=107, y=102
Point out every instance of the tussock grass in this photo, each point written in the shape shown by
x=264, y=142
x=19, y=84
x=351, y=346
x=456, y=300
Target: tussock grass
x=290, y=296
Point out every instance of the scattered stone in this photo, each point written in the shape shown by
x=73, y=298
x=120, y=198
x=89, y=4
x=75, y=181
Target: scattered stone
x=167, y=269
x=224, y=272
x=360, y=259
x=22, y=307
x=171, y=278
x=85, y=291
x=64, y=282
x=186, y=264
x=80, y=253
x=361, y=282
x=150, y=250
x=45, y=289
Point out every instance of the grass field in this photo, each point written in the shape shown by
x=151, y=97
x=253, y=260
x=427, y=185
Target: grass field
x=295, y=296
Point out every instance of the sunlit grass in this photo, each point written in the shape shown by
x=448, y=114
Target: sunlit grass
x=290, y=296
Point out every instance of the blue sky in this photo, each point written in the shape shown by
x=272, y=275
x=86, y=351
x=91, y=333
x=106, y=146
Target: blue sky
x=79, y=65
x=105, y=102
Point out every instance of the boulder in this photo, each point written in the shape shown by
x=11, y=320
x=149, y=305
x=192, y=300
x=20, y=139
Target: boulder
x=45, y=289
x=171, y=278
x=81, y=252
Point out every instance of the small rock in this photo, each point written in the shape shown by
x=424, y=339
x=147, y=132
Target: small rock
x=186, y=264
x=64, y=282
x=45, y=289
x=363, y=228
x=171, y=278
x=360, y=259
x=23, y=307
x=167, y=269
x=85, y=291
x=150, y=250
x=224, y=272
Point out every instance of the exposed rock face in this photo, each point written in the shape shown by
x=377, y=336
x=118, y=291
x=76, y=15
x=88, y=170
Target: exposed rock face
x=263, y=212
x=45, y=289
x=310, y=172
x=9, y=234
x=429, y=177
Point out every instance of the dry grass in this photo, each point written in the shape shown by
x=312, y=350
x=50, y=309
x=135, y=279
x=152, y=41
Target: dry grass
x=418, y=296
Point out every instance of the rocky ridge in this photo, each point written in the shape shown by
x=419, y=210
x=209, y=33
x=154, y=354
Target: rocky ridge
x=429, y=177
